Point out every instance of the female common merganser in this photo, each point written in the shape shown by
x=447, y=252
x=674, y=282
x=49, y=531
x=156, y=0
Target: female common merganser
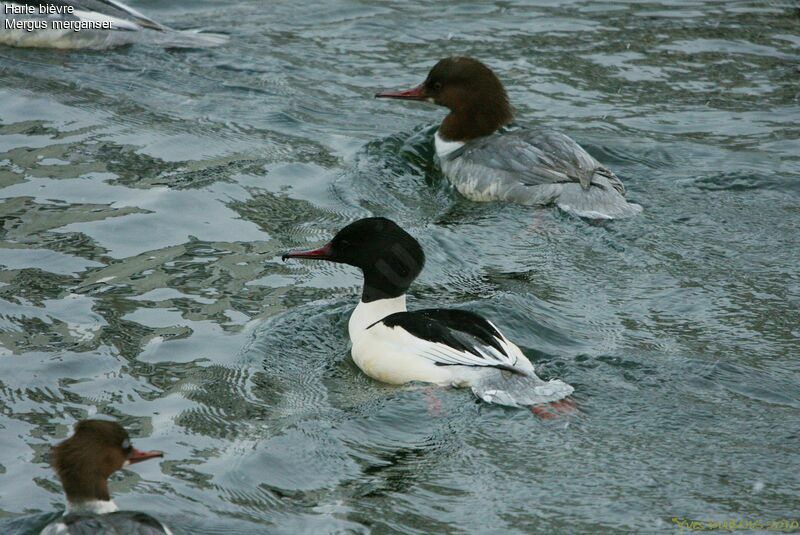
x=89, y=24
x=441, y=346
x=83, y=462
x=532, y=167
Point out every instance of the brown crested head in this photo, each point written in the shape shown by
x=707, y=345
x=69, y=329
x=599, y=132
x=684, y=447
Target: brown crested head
x=97, y=449
x=477, y=101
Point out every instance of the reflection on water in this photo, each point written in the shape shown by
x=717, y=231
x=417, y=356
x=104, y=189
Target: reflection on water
x=146, y=196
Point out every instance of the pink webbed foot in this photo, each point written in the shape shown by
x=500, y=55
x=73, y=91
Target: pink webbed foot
x=556, y=409
x=434, y=403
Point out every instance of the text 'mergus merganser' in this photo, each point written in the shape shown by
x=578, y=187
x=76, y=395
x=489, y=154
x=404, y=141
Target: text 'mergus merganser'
x=92, y=24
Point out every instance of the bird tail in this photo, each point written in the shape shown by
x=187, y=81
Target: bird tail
x=603, y=200
x=516, y=390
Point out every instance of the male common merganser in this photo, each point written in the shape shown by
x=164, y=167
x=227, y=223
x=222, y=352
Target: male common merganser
x=89, y=24
x=446, y=347
x=532, y=167
x=83, y=462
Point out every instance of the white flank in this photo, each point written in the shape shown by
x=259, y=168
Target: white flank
x=393, y=355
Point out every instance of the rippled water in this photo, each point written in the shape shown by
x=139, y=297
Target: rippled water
x=146, y=196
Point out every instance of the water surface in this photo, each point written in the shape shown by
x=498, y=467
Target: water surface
x=146, y=196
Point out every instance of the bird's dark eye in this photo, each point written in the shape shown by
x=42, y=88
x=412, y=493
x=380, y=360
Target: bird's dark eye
x=437, y=85
x=126, y=444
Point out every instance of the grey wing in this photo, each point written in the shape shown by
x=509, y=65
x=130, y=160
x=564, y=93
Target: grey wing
x=541, y=157
x=128, y=522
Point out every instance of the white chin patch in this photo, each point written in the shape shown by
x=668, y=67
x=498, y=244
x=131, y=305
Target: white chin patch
x=430, y=99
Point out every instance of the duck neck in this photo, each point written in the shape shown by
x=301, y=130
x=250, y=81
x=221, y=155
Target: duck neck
x=367, y=313
x=387, y=280
x=84, y=483
x=475, y=119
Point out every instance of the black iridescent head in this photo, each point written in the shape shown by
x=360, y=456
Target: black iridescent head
x=473, y=93
x=389, y=256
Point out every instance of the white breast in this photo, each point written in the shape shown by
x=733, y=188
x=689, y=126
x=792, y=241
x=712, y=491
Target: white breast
x=388, y=355
x=392, y=355
x=443, y=148
x=366, y=314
